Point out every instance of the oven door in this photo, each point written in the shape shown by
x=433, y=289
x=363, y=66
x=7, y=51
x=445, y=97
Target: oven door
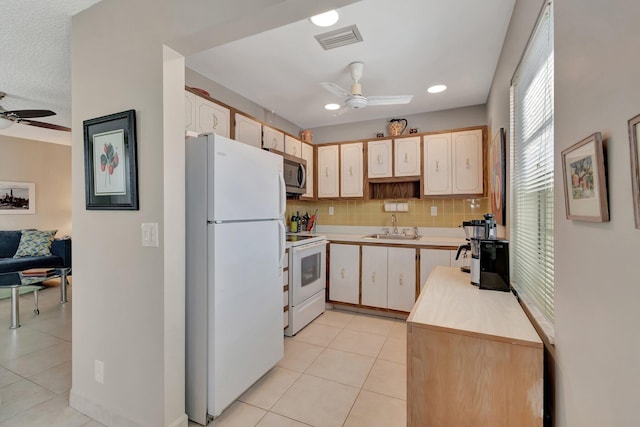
x=308, y=268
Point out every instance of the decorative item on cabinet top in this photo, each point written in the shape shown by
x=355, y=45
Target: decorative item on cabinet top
x=396, y=128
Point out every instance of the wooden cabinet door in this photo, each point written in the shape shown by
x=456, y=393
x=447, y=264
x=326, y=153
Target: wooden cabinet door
x=189, y=111
x=407, y=156
x=272, y=139
x=292, y=146
x=467, y=162
x=211, y=117
x=328, y=171
x=344, y=273
x=374, y=276
x=307, y=154
x=437, y=164
x=351, y=171
x=401, y=278
x=379, y=154
x=248, y=131
x=429, y=258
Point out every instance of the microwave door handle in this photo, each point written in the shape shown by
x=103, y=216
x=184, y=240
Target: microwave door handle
x=282, y=231
x=283, y=196
x=301, y=170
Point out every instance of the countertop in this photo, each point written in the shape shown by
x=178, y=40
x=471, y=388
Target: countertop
x=449, y=302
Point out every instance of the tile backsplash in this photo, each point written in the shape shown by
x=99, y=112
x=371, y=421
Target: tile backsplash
x=450, y=212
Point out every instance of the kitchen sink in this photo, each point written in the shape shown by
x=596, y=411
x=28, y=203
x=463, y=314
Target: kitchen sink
x=392, y=237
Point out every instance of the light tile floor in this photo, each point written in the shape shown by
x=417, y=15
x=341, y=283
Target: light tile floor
x=344, y=369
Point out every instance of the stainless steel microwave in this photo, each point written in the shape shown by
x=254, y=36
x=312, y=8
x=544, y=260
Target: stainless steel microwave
x=295, y=174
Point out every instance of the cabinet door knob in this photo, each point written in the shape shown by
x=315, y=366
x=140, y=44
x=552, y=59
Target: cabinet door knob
x=326, y=172
x=373, y=277
x=401, y=278
x=342, y=273
x=295, y=151
x=437, y=166
x=275, y=142
x=406, y=158
x=215, y=121
x=350, y=170
x=468, y=164
x=379, y=159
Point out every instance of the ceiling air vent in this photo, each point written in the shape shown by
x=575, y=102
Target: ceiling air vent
x=338, y=38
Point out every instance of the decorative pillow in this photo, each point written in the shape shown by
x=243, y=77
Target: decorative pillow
x=35, y=243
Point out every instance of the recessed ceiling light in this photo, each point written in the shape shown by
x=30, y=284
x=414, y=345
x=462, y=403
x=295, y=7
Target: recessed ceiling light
x=332, y=107
x=326, y=19
x=437, y=89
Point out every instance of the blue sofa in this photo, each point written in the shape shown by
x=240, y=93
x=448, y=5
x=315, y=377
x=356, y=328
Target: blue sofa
x=9, y=241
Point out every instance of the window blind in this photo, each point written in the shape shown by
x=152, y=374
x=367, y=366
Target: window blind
x=532, y=170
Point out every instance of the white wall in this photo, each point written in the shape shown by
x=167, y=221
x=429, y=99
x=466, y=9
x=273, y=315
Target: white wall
x=128, y=300
x=425, y=122
x=596, y=286
x=48, y=166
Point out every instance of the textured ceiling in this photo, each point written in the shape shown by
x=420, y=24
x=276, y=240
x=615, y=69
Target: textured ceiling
x=35, y=59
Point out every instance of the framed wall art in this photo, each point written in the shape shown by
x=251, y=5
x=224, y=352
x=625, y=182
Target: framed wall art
x=111, y=170
x=17, y=197
x=634, y=134
x=585, y=182
x=498, y=177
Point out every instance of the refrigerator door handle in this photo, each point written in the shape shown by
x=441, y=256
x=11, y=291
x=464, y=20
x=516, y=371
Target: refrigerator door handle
x=281, y=246
x=283, y=196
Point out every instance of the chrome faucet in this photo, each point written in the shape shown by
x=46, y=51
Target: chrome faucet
x=394, y=223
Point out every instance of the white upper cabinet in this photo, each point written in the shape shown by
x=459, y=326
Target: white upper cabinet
x=379, y=154
x=351, y=171
x=272, y=139
x=189, y=111
x=307, y=154
x=211, y=117
x=248, y=131
x=328, y=171
x=467, y=162
x=437, y=164
x=453, y=163
x=292, y=146
x=407, y=156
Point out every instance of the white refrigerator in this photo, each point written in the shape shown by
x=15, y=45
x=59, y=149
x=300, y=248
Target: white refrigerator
x=235, y=204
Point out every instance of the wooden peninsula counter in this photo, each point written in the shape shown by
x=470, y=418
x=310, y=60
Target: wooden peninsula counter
x=473, y=357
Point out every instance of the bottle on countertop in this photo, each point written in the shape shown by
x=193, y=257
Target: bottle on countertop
x=304, y=221
x=298, y=220
x=294, y=224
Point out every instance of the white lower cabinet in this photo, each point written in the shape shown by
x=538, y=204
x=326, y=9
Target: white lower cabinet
x=429, y=258
x=344, y=278
x=389, y=277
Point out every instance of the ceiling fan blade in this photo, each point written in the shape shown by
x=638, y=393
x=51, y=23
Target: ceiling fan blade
x=389, y=100
x=29, y=114
x=341, y=111
x=45, y=125
x=336, y=90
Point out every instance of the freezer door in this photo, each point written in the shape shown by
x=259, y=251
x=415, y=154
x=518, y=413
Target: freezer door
x=247, y=182
x=245, y=308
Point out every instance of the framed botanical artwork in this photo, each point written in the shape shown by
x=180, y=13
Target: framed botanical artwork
x=585, y=182
x=111, y=169
x=17, y=197
x=498, y=177
x=634, y=136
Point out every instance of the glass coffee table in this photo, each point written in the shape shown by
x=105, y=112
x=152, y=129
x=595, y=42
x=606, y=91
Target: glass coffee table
x=15, y=280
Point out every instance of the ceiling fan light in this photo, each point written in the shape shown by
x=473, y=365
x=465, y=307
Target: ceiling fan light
x=5, y=123
x=437, y=89
x=332, y=107
x=326, y=19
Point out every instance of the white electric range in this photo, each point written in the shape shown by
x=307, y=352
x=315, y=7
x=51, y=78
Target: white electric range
x=307, y=280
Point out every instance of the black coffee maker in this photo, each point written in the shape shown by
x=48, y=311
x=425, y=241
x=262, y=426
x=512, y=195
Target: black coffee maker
x=494, y=265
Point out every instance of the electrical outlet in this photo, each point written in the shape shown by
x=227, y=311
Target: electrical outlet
x=98, y=372
x=330, y=210
x=434, y=211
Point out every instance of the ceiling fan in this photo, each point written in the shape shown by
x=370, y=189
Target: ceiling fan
x=8, y=118
x=354, y=100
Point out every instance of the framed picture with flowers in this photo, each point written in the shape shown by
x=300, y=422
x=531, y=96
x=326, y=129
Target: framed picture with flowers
x=111, y=169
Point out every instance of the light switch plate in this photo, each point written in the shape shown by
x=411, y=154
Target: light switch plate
x=330, y=210
x=150, y=234
x=434, y=211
